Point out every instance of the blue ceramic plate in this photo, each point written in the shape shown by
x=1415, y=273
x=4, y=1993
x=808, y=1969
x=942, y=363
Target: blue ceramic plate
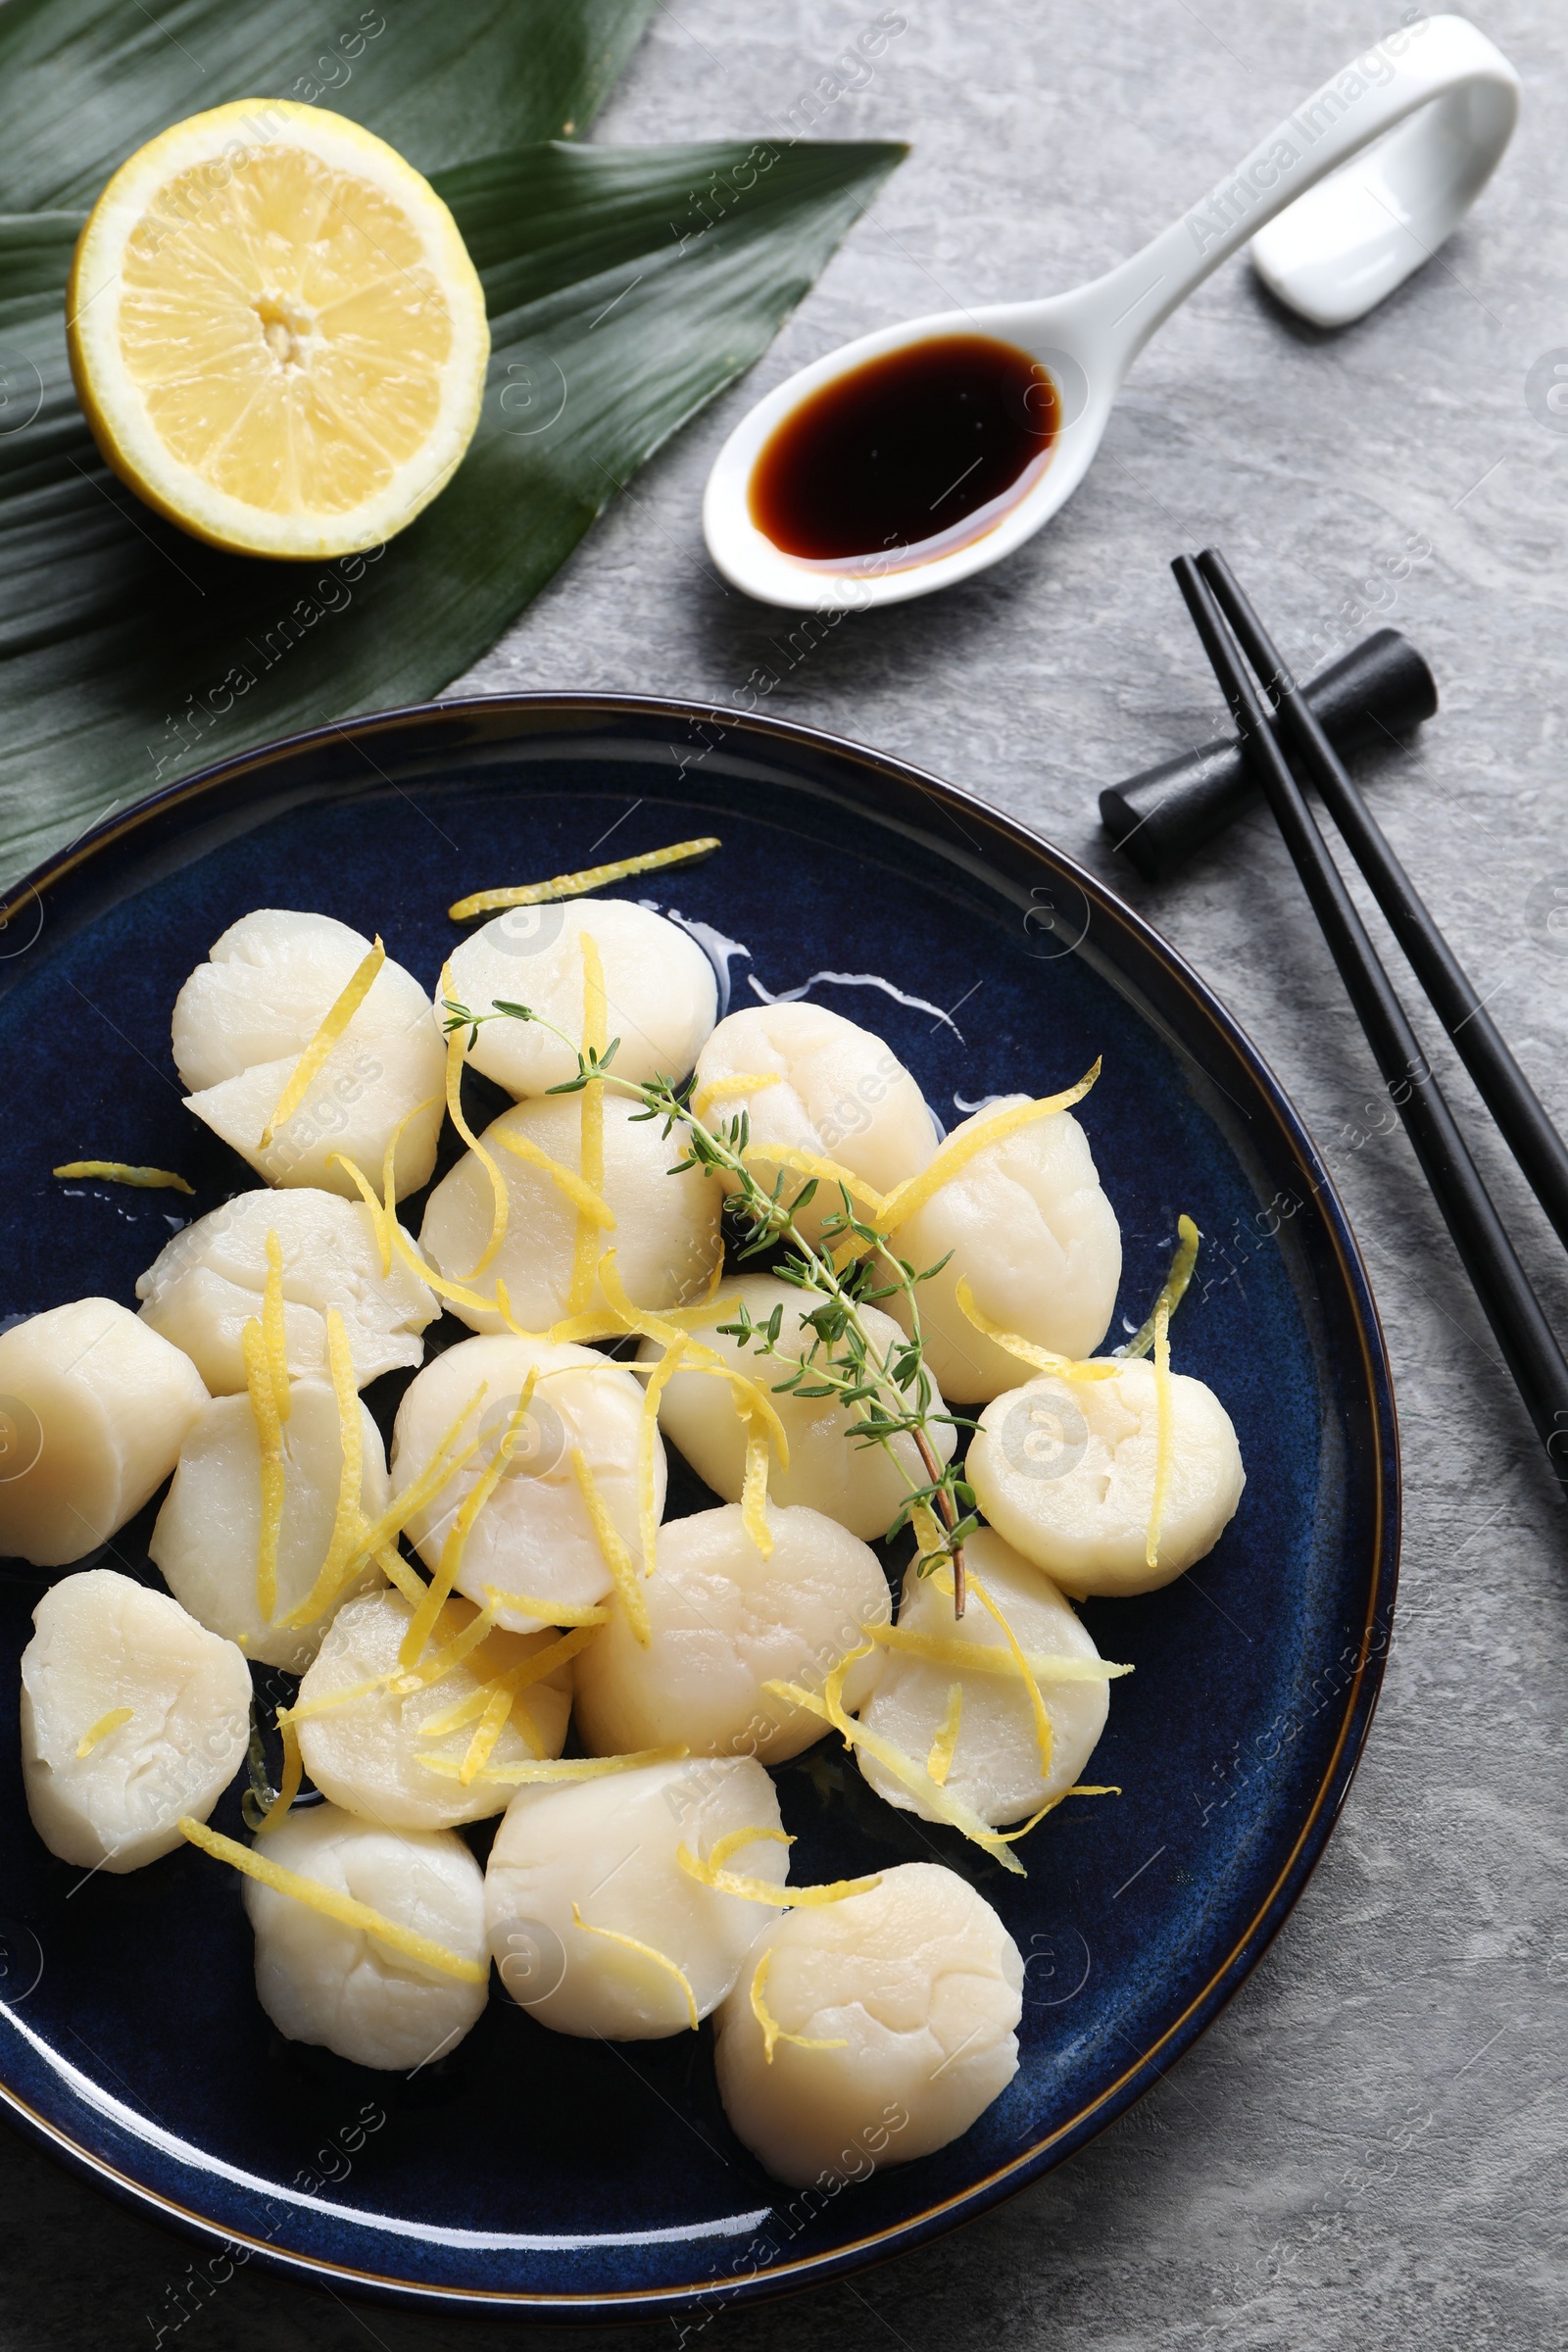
x=600, y=2180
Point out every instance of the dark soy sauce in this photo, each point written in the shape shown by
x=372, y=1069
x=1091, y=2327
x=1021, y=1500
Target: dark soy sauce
x=906, y=455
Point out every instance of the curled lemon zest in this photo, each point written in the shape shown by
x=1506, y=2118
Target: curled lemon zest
x=342, y=1907
x=1165, y=1431
x=1044, y=1359
x=566, y=1768
x=952, y=1649
x=270, y=1439
x=957, y=1152
x=617, y=1558
x=121, y=1172
x=942, y=1806
x=457, y=1536
x=773, y=2030
x=575, y=886
x=743, y=1082
x=1173, y=1290
x=289, y=1785
x=501, y=1200
x=591, y=1131
x=939, y=1763
x=338, y=1018
x=101, y=1729
x=649, y=1951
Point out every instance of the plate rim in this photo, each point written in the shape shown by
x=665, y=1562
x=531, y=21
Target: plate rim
x=1361, y=1694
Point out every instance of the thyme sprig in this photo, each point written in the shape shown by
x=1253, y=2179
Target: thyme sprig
x=887, y=1389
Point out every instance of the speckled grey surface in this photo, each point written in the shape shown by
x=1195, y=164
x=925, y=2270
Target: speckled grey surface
x=1368, y=2146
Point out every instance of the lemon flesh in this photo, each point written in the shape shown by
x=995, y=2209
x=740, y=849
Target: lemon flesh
x=276, y=332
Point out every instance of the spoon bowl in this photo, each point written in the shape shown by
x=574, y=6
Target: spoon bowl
x=1402, y=141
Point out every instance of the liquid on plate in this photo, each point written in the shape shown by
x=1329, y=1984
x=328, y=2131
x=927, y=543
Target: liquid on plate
x=909, y=456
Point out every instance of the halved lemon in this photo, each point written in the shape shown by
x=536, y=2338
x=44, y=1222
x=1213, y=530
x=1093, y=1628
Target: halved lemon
x=276, y=332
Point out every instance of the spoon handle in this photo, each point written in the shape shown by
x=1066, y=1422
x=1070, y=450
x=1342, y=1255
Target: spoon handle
x=1335, y=255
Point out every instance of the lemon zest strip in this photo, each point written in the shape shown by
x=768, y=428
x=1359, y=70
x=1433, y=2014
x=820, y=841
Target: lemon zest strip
x=121, y=1172
x=743, y=1082
x=951, y=1649
x=939, y=1763
x=649, y=1951
x=372, y=1540
x=566, y=1768
x=501, y=1200
x=547, y=1611
x=372, y=1202
x=957, y=1152
x=270, y=1439
x=289, y=1785
x=403, y=1682
x=338, y=1018
x=763, y=1890
x=101, y=1729
x=591, y=1129
x=458, y=1293
x=622, y=1320
x=1165, y=1431
x=347, y=1549
x=1173, y=1290
x=617, y=1558
x=773, y=2030
x=272, y=1328
x=492, y=1723
x=389, y=1157
x=753, y=1486
x=647, y=1442
x=457, y=1535
x=588, y=1204
x=826, y=1171
x=342, y=1907
x=511, y=1680
x=573, y=886
x=1043, y=1739
x=912, y=1776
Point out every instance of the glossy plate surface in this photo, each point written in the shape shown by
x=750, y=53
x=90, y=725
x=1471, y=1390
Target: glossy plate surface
x=600, y=2181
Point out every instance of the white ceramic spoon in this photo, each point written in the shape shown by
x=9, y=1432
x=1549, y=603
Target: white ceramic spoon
x=1436, y=97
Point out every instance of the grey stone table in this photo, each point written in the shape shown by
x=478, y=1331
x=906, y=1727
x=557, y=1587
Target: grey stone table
x=1367, y=2146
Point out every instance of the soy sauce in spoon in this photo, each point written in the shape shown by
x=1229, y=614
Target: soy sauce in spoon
x=921, y=449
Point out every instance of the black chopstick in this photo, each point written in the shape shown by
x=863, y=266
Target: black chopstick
x=1507, y=1093
x=1510, y=1305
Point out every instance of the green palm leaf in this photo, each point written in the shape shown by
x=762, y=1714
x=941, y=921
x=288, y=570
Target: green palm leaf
x=86, y=82
x=625, y=286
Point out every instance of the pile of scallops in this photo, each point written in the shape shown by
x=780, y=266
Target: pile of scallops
x=504, y=1582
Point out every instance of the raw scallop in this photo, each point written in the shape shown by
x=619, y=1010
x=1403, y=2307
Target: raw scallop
x=160, y=1705
x=93, y=1408
x=243, y=1020
x=205, y=1287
